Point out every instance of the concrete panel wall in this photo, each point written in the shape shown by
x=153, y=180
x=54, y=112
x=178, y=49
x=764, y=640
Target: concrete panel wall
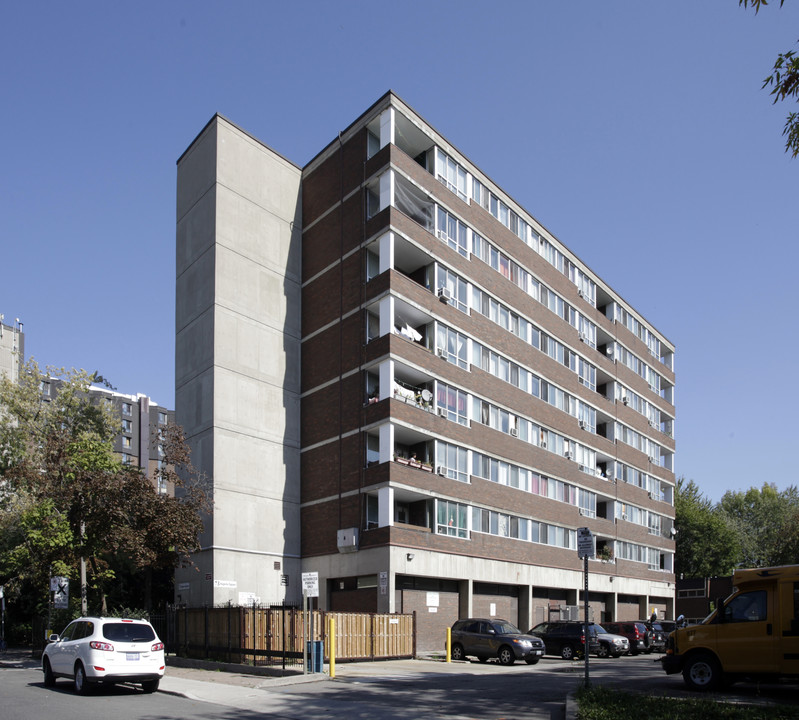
x=237, y=359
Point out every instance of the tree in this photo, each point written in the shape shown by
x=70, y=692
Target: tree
x=784, y=84
x=764, y=521
x=706, y=543
x=65, y=495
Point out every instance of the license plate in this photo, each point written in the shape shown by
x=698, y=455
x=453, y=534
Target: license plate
x=131, y=656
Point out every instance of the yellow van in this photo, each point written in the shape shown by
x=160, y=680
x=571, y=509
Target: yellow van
x=753, y=633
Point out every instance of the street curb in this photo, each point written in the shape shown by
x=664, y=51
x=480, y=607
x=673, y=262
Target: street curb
x=571, y=707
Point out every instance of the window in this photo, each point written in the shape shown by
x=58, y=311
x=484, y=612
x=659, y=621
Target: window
x=452, y=231
x=45, y=388
x=372, y=144
x=454, y=403
x=126, y=443
x=372, y=449
x=372, y=326
x=451, y=519
x=372, y=507
x=451, y=174
x=372, y=265
x=747, y=607
x=127, y=426
x=162, y=418
x=453, y=346
x=162, y=487
x=456, y=287
x=453, y=461
x=127, y=409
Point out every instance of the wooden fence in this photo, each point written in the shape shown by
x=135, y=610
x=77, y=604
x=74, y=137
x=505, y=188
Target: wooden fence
x=275, y=635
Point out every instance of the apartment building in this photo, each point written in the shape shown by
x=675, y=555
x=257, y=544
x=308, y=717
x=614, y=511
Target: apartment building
x=12, y=348
x=396, y=378
x=142, y=422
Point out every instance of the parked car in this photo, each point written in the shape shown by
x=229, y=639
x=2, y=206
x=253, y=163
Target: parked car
x=659, y=636
x=610, y=645
x=486, y=638
x=94, y=650
x=669, y=626
x=636, y=632
x=565, y=638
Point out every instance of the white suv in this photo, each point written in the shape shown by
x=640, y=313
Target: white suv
x=105, y=650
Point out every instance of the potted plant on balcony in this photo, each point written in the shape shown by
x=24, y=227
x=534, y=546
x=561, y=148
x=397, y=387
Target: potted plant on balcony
x=400, y=459
x=605, y=554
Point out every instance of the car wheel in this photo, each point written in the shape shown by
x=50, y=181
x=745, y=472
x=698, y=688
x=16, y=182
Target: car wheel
x=80, y=682
x=532, y=659
x=483, y=659
x=49, y=678
x=506, y=656
x=604, y=651
x=567, y=652
x=457, y=652
x=150, y=686
x=702, y=672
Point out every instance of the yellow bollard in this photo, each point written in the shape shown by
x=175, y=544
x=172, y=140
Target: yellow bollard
x=332, y=636
x=449, y=644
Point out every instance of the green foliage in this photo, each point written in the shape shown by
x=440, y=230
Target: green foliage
x=765, y=522
x=67, y=496
x=784, y=84
x=601, y=703
x=707, y=544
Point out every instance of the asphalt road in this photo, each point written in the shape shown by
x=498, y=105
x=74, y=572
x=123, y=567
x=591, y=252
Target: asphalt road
x=400, y=690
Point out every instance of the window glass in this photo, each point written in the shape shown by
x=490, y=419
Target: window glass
x=747, y=607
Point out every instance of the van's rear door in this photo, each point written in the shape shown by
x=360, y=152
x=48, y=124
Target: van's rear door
x=788, y=627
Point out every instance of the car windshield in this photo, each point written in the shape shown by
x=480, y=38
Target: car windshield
x=505, y=628
x=128, y=632
x=600, y=629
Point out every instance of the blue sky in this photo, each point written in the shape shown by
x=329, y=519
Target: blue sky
x=636, y=132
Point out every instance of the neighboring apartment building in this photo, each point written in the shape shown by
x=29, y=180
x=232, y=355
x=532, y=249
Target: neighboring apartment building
x=697, y=597
x=12, y=348
x=142, y=422
x=395, y=377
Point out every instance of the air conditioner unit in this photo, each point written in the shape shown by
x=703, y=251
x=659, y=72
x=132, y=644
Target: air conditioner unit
x=580, y=293
x=444, y=294
x=651, y=459
x=653, y=423
x=442, y=412
x=544, y=444
x=347, y=540
x=583, y=424
x=583, y=512
x=651, y=496
x=567, y=455
x=583, y=337
x=624, y=516
x=625, y=400
x=441, y=470
x=514, y=432
x=441, y=352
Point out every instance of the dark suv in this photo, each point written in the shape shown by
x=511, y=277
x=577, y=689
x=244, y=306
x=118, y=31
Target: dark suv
x=659, y=635
x=486, y=638
x=640, y=637
x=565, y=638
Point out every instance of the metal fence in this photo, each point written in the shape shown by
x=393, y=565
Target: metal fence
x=274, y=635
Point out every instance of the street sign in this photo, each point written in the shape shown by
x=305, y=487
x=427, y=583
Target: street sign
x=586, y=544
x=310, y=584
